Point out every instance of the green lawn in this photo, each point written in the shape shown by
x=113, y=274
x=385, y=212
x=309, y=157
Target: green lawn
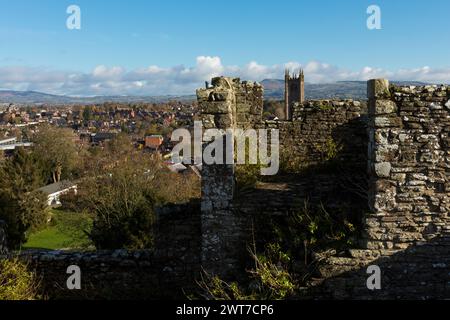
x=65, y=231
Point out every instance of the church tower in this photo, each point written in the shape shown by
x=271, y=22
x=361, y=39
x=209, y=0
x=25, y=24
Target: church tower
x=294, y=91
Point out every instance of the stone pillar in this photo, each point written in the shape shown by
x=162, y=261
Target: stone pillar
x=221, y=226
x=3, y=247
x=383, y=118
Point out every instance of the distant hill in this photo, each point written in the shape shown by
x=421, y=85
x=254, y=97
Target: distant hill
x=32, y=97
x=274, y=89
x=9, y=96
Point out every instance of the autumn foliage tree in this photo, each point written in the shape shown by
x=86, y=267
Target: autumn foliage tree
x=121, y=194
x=122, y=202
x=57, y=152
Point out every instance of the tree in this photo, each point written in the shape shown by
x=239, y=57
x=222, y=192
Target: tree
x=98, y=160
x=119, y=147
x=120, y=188
x=122, y=204
x=22, y=207
x=57, y=152
x=87, y=113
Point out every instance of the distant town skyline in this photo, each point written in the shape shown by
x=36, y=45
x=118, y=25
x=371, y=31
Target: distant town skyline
x=158, y=48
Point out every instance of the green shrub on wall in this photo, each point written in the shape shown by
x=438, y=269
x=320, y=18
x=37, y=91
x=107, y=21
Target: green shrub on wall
x=269, y=279
x=247, y=175
x=290, y=163
x=327, y=156
x=17, y=282
x=313, y=228
x=330, y=150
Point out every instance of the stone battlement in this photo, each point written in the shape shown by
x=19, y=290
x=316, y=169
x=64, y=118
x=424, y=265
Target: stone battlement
x=397, y=142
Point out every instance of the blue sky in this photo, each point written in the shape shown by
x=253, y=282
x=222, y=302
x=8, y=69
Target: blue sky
x=154, y=46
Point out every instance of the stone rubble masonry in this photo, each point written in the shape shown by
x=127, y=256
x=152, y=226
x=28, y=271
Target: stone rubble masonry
x=316, y=123
x=227, y=222
x=402, y=139
x=417, y=273
x=409, y=162
x=304, y=140
x=168, y=271
x=407, y=229
x=228, y=104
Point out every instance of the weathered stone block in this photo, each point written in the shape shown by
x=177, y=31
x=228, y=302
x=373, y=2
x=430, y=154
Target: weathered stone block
x=223, y=82
x=378, y=88
x=243, y=108
x=385, y=107
x=241, y=118
x=224, y=121
x=383, y=169
x=222, y=107
x=386, y=122
x=208, y=121
x=203, y=94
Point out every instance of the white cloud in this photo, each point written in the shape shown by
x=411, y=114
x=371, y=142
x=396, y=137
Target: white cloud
x=105, y=73
x=155, y=80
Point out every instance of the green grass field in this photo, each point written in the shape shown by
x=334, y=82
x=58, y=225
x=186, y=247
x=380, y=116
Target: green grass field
x=64, y=232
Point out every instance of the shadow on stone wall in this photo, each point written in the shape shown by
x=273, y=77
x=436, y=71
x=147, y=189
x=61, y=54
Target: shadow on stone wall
x=419, y=272
x=339, y=184
x=168, y=271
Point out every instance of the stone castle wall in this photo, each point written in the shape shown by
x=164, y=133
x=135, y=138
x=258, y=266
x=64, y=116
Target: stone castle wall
x=409, y=163
x=323, y=161
x=407, y=229
x=420, y=272
x=169, y=271
x=324, y=130
x=402, y=142
x=228, y=219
